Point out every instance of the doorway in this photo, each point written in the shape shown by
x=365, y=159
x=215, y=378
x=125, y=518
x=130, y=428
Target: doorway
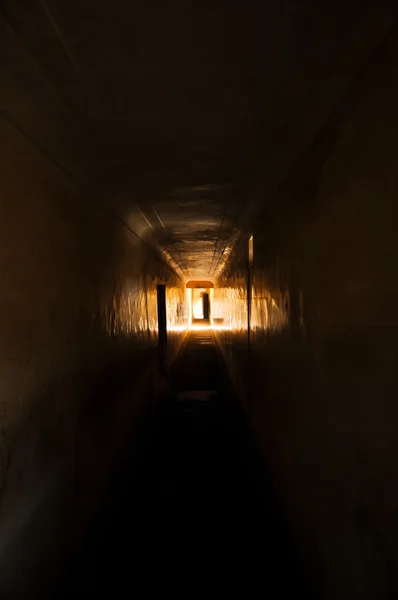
x=200, y=305
x=200, y=296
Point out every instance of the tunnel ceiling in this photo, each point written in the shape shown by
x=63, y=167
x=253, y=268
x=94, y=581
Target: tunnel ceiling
x=182, y=118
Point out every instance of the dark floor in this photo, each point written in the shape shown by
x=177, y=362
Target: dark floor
x=189, y=511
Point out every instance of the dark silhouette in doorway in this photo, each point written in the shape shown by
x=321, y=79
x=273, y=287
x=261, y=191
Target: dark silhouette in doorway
x=206, y=306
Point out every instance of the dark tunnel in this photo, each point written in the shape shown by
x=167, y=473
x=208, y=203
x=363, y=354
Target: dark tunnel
x=198, y=262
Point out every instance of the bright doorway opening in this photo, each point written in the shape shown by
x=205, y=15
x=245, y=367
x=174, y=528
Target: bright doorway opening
x=200, y=294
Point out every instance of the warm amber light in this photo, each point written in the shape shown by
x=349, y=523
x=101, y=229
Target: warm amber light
x=251, y=250
x=197, y=327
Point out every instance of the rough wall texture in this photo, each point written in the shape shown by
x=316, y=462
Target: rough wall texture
x=320, y=379
x=78, y=342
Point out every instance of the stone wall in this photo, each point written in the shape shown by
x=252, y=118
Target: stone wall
x=319, y=377
x=78, y=342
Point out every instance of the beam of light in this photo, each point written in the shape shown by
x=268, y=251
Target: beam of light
x=206, y=327
x=177, y=328
x=222, y=328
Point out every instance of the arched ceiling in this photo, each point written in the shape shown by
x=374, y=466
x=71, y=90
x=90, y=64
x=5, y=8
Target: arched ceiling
x=182, y=117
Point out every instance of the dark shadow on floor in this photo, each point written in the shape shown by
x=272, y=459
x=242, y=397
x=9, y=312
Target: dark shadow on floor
x=189, y=510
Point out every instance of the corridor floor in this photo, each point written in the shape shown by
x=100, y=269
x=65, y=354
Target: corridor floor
x=189, y=511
